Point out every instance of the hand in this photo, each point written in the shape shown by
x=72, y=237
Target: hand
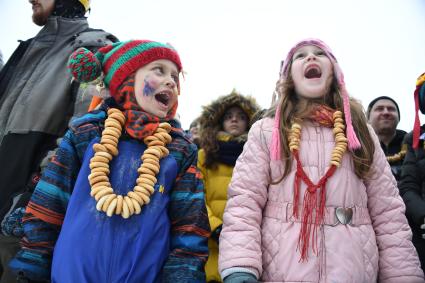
x=216, y=233
x=12, y=224
x=240, y=277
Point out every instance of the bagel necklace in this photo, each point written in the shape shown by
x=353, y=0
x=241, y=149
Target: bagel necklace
x=397, y=157
x=101, y=189
x=311, y=214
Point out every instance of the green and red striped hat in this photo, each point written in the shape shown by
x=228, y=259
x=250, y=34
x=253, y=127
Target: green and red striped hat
x=118, y=61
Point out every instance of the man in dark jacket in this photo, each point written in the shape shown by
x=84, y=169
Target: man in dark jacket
x=37, y=100
x=384, y=115
x=412, y=180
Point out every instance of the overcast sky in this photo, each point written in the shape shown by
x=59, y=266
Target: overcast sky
x=226, y=44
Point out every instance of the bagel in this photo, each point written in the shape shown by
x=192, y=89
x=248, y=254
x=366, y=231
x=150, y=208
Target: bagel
x=99, y=159
x=108, y=201
x=165, y=151
x=104, y=183
x=113, y=124
x=135, y=196
x=104, y=154
x=148, y=176
x=109, y=140
x=119, y=117
x=100, y=202
x=125, y=211
x=145, y=170
x=97, y=147
x=144, y=187
x=149, y=139
x=154, y=151
x=104, y=192
x=337, y=114
x=151, y=161
x=111, y=149
x=130, y=206
x=144, y=180
x=118, y=209
x=113, y=110
x=156, y=143
x=165, y=126
x=149, y=156
x=98, y=164
x=95, y=174
x=109, y=132
x=136, y=205
x=146, y=198
x=97, y=189
x=152, y=167
x=111, y=208
x=338, y=120
x=97, y=179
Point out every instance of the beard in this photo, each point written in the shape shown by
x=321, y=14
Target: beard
x=40, y=18
x=386, y=130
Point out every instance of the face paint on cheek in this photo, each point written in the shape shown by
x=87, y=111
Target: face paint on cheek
x=148, y=89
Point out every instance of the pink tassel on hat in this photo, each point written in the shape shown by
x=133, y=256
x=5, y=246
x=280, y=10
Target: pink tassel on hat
x=353, y=141
x=417, y=125
x=275, y=145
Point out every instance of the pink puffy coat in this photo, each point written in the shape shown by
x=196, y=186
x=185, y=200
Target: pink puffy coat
x=259, y=232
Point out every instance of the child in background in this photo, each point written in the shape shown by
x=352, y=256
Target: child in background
x=194, y=132
x=412, y=180
x=312, y=197
x=224, y=127
x=121, y=201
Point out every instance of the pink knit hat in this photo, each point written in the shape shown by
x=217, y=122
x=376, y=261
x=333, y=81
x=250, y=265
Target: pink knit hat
x=353, y=142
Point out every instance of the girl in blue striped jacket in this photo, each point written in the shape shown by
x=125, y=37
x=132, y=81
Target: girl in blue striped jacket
x=121, y=201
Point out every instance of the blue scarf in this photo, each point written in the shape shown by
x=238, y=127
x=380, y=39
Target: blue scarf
x=228, y=152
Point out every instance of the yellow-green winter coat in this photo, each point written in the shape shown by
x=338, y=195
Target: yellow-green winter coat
x=217, y=178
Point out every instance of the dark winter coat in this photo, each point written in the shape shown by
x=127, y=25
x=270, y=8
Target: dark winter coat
x=37, y=100
x=394, y=147
x=412, y=190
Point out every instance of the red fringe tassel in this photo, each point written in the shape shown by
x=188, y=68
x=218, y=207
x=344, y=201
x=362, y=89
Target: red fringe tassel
x=312, y=216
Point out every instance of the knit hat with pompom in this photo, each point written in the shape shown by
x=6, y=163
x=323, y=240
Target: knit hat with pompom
x=119, y=60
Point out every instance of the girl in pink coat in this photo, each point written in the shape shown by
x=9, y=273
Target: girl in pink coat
x=312, y=197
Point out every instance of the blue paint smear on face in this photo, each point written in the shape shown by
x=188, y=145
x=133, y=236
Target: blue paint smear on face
x=148, y=90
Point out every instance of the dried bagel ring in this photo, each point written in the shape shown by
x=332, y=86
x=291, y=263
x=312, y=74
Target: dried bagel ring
x=97, y=147
x=133, y=195
x=118, y=209
x=104, y=154
x=111, y=208
x=129, y=203
x=98, y=164
x=125, y=211
x=108, y=201
x=99, y=159
x=165, y=126
x=136, y=205
x=118, y=117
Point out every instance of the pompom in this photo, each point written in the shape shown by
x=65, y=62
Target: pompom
x=84, y=65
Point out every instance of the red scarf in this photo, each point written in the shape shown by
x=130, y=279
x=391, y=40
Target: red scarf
x=315, y=195
x=139, y=124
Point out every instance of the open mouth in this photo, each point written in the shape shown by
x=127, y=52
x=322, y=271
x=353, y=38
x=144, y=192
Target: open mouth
x=163, y=98
x=313, y=72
